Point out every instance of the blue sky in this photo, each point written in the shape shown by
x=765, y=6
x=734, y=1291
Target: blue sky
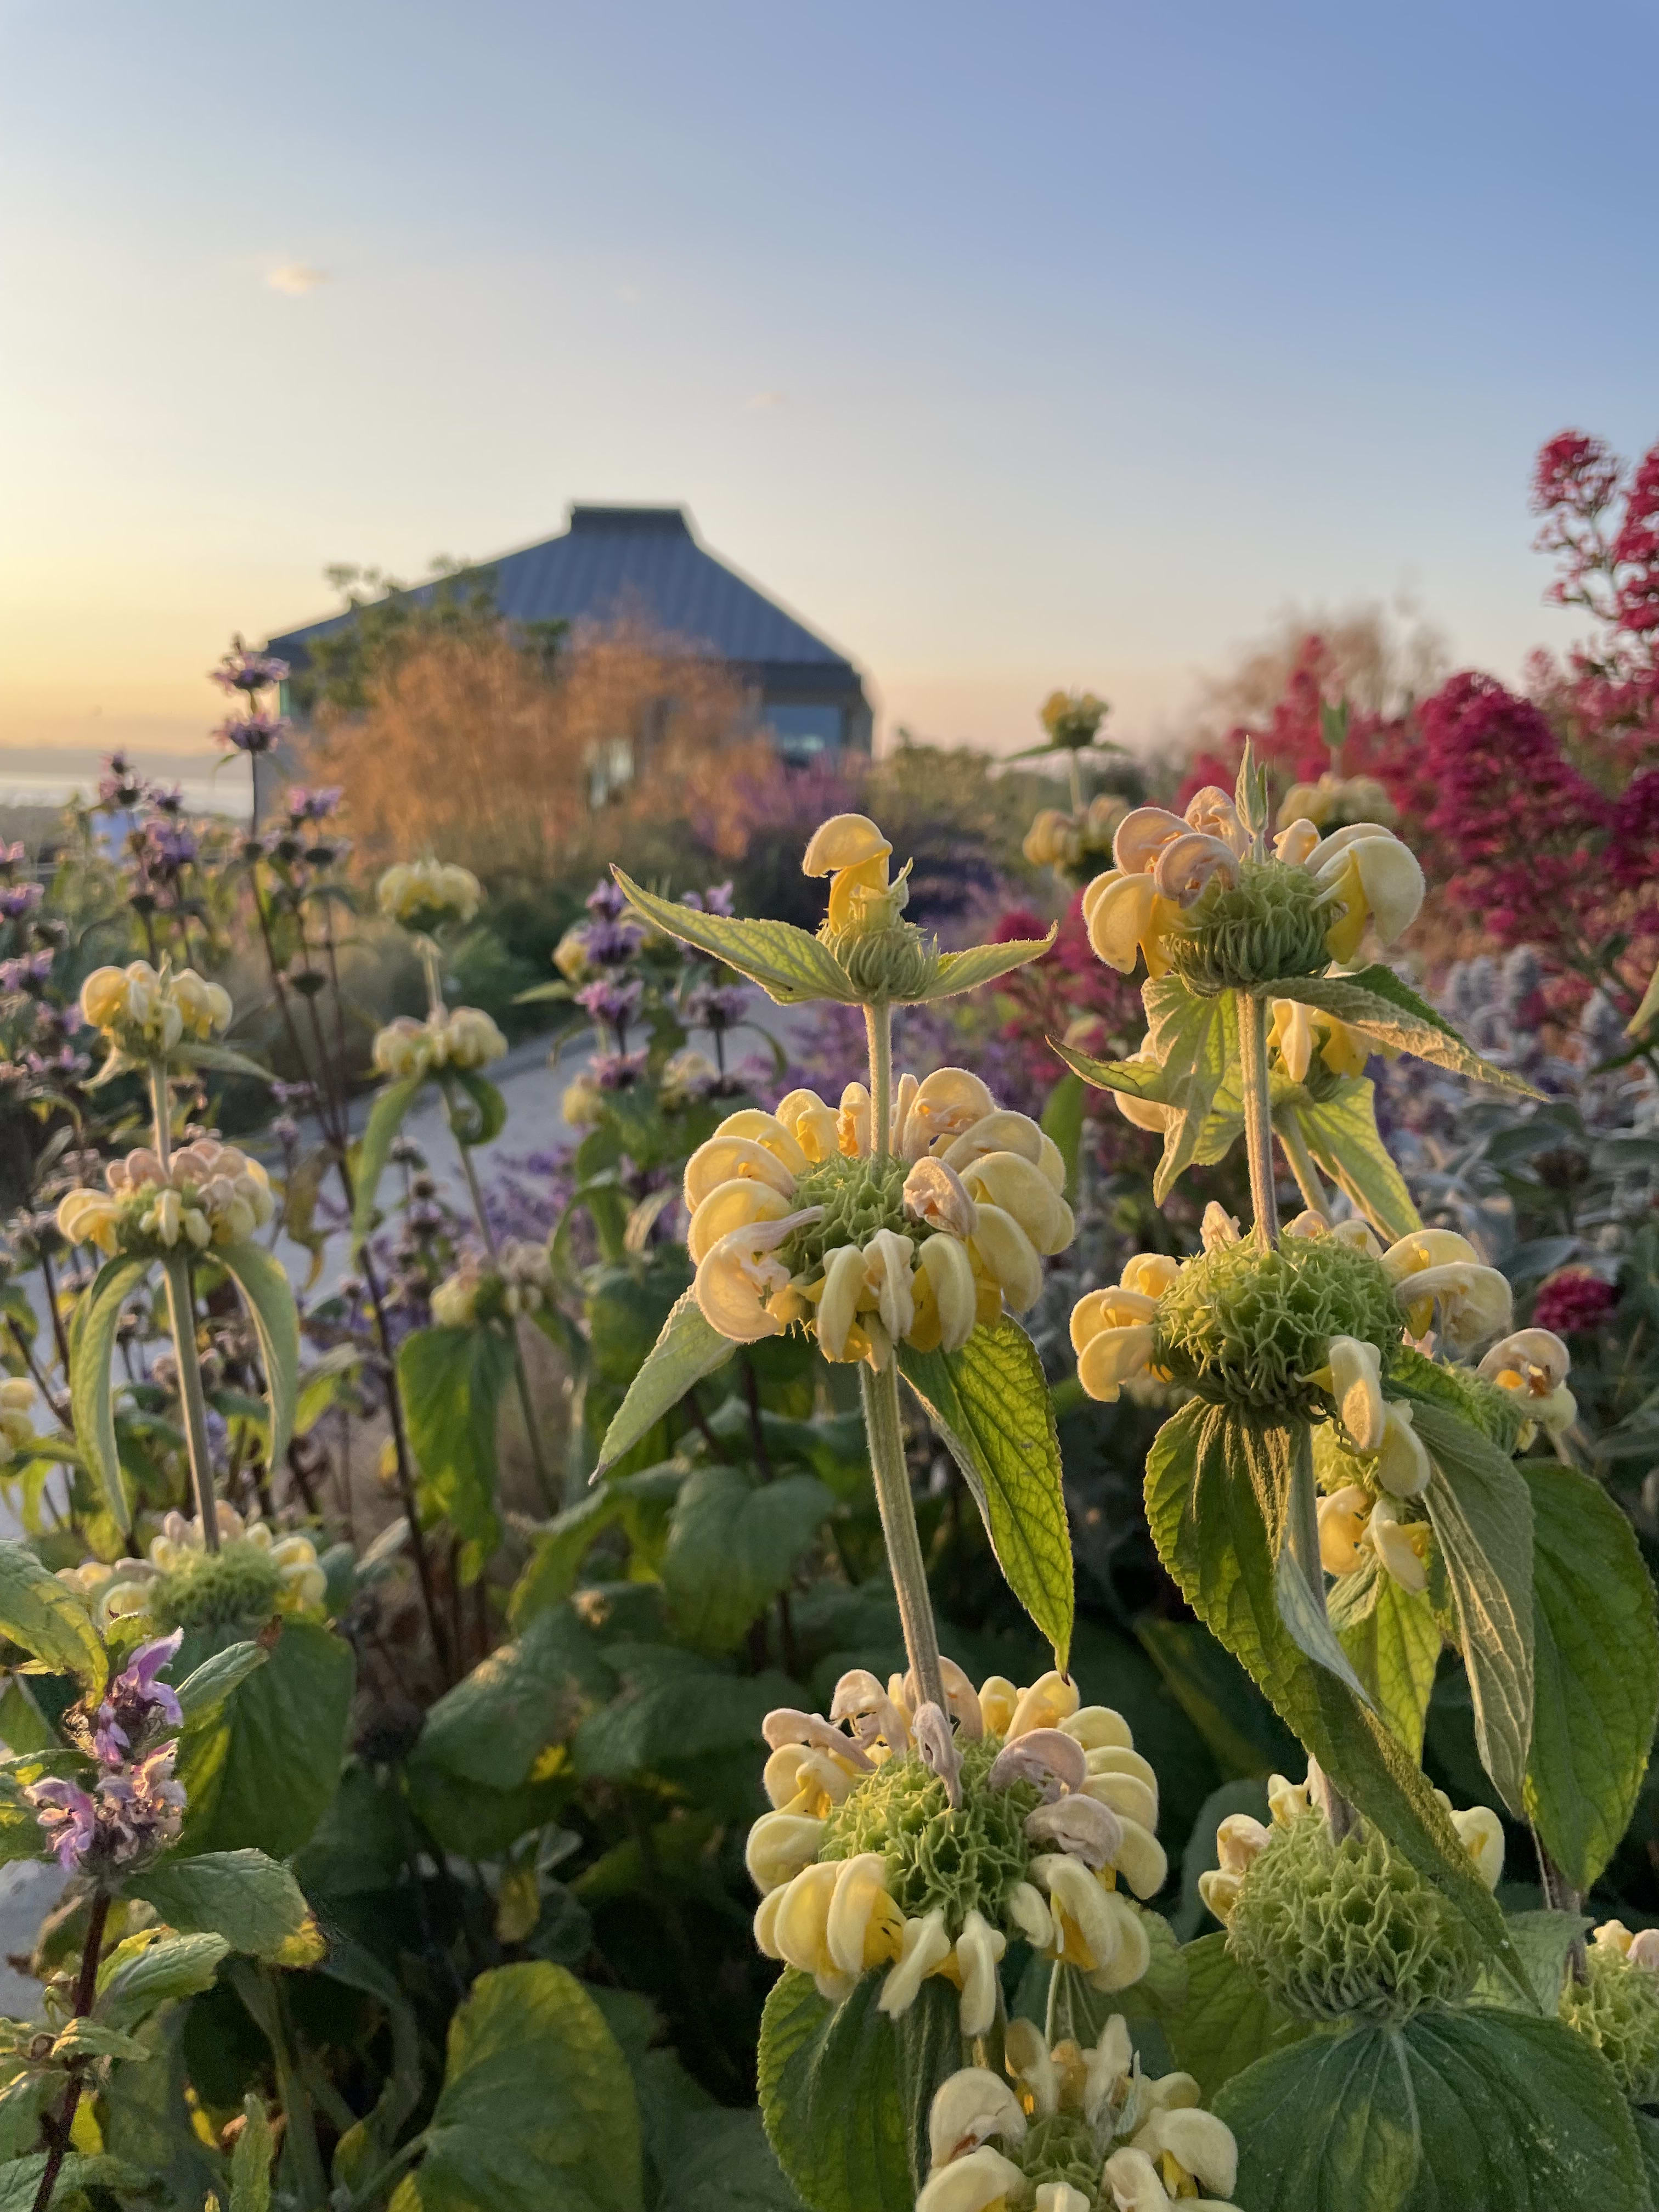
x=1011, y=346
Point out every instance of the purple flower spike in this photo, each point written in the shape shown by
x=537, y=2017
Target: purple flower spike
x=605, y=902
x=251, y=733
x=136, y=1702
x=68, y=1819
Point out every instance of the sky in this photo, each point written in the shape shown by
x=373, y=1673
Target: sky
x=1009, y=346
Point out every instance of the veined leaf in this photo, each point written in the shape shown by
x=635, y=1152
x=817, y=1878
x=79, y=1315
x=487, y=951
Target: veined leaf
x=1227, y=2021
x=147, y=1969
x=1392, y=1637
x=1342, y=1134
x=452, y=1381
x=391, y=1104
x=49, y=1620
x=1379, y=1004
x=1596, y=1665
x=787, y=964
x=1481, y=2108
x=204, y=1691
x=537, y=2109
x=269, y=1298
x=991, y=1407
x=982, y=963
x=489, y=1117
x=1481, y=1515
x=1062, y=1119
x=92, y=1395
x=732, y=1545
x=1207, y=1525
x=223, y=1061
x=244, y=1896
x=689, y=1348
x=287, y=1718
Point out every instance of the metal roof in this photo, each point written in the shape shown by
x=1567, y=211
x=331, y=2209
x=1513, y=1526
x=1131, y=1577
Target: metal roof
x=615, y=562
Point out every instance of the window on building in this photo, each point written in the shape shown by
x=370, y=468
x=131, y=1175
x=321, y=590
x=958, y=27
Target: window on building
x=802, y=732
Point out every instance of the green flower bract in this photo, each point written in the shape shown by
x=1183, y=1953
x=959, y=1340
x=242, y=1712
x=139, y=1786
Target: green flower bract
x=1616, y=2007
x=1236, y=936
x=1335, y=1931
x=962, y=1861
x=1245, y=1328
x=859, y=1196
x=239, y=1583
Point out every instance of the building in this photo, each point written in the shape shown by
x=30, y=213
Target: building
x=647, y=564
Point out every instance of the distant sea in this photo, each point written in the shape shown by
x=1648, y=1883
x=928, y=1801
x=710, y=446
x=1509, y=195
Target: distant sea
x=47, y=776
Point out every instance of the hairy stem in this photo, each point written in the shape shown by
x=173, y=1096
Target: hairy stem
x=879, y=1027
x=85, y=1991
x=1258, y=1113
x=898, y=1523
x=1302, y=1535
x=1077, y=781
x=181, y=1319
x=1296, y=1152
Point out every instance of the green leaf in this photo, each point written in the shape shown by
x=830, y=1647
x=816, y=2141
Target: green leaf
x=1597, y=1670
x=832, y=2098
x=1062, y=1119
x=47, y=1619
x=1391, y=1635
x=91, y=2039
x=222, y=1059
x=494, y=1725
x=537, y=2109
x=732, y=1545
x=1481, y=2107
x=250, y=2162
x=203, y=1693
x=689, y=1348
x=787, y=964
x=991, y=1407
x=146, y=1970
x=1380, y=1004
x=20, y=2180
x=1341, y=1133
x=1227, y=2021
x=386, y=1117
x=674, y=1710
x=982, y=963
x=260, y=1769
x=1647, y=2127
x=1543, y=1939
x=1207, y=1524
x=452, y=1381
x=362, y=2150
x=269, y=1298
x=489, y=1117
x=92, y=1401
x=254, y=1904
x=722, y=2162
x=1481, y=1516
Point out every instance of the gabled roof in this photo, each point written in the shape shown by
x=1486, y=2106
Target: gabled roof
x=616, y=561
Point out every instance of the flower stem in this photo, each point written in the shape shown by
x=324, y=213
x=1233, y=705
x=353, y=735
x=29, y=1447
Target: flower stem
x=1296, y=1151
x=181, y=1318
x=1077, y=781
x=85, y=1991
x=1302, y=1534
x=544, y=1482
x=879, y=1392
x=879, y=1027
x=1258, y=1113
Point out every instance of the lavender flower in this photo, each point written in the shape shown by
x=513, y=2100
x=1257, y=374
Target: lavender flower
x=315, y=805
x=120, y=788
x=251, y=733
x=615, y=1003
x=30, y=972
x=165, y=798
x=140, y=1808
x=717, y=899
x=67, y=1819
x=616, y=1070
x=716, y=1005
x=17, y=900
x=611, y=944
x=605, y=902
x=243, y=671
x=135, y=1701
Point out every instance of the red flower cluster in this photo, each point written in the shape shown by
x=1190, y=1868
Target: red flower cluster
x=1573, y=1301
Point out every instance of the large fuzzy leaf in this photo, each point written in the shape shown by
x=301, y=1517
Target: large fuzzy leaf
x=1596, y=1667
x=1394, y=1641
x=982, y=963
x=1341, y=1133
x=269, y=1298
x=92, y=1395
x=48, y=1619
x=991, y=1407
x=732, y=1544
x=787, y=964
x=689, y=1348
x=386, y=1117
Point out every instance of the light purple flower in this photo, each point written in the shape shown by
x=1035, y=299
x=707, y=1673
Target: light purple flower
x=136, y=1700
x=716, y=1005
x=165, y=798
x=121, y=787
x=17, y=900
x=67, y=1819
x=611, y=944
x=243, y=671
x=140, y=1808
x=616, y=1003
x=27, y=973
x=616, y=1070
x=314, y=805
x=251, y=733
x=605, y=902
x=717, y=899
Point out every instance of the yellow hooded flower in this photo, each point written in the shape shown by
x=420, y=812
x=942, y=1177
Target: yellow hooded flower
x=1533, y=1366
x=1438, y=1268
x=852, y=852
x=1112, y=1329
x=1374, y=877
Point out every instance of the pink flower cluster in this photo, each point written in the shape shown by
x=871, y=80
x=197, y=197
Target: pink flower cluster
x=1573, y=1301
x=134, y=1807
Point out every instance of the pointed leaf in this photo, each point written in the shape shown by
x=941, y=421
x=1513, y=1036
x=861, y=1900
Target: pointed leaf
x=244, y=1896
x=982, y=963
x=92, y=1398
x=1341, y=1133
x=453, y=1380
x=223, y=1061
x=991, y=1407
x=1597, y=1699
x=1206, y=1522
x=49, y=1620
x=1227, y=2021
x=1481, y=1515
x=269, y=1298
x=1394, y=1641
x=1380, y=1004
x=204, y=1690
x=146, y=1970
x=386, y=1117
x=787, y=964
x=488, y=1118
x=732, y=1545
x=689, y=1348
